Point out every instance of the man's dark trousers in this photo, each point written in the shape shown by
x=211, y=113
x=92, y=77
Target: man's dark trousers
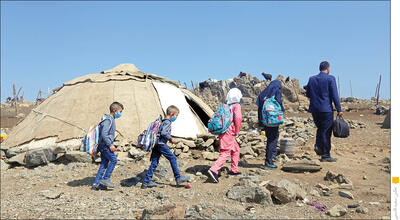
x=324, y=123
x=272, y=134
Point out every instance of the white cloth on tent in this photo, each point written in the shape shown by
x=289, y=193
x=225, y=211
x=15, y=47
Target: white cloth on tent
x=185, y=125
x=234, y=95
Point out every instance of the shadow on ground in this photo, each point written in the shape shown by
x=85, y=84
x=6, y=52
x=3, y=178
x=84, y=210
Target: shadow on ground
x=87, y=181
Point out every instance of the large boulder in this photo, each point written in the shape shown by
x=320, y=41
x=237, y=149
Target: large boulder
x=42, y=156
x=286, y=191
x=78, y=156
x=252, y=194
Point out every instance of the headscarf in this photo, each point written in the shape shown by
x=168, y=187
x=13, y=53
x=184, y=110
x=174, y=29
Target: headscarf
x=234, y=95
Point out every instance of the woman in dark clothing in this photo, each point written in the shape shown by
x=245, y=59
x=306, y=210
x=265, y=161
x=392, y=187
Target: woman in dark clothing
x=272, y=133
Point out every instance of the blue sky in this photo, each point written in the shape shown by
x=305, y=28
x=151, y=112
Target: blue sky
x=44, y=44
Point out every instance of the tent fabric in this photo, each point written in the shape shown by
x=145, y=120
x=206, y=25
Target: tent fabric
x=84, y=100
x=185, y=125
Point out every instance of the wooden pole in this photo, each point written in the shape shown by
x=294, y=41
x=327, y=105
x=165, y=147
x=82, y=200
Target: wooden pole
x=376, y=90
x=379, y=88
x=192, y=85
x=15, y=99
x=351, y=90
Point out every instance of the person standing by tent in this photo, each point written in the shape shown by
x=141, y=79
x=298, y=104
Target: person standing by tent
x=272, y=133
x=322, y=91
x=228, y=145
x=107, y=148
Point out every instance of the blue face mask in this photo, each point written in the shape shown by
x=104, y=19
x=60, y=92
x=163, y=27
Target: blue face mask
x=118, y=115
x=173, y=118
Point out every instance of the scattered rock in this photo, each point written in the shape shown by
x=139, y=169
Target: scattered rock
x=353, y=206
x=246, y=151
x=254, y=194
x=209, y=142
x=136, y=154
x=362, y=210
x=4, y=166
x=314, y=193
x=337, y=178
x=49, y=194
x=337, y=211
x=19, y=159
x=346, y=194
x=210, y=155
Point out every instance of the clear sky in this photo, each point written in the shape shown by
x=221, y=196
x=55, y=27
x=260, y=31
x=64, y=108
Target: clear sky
x=44, y=44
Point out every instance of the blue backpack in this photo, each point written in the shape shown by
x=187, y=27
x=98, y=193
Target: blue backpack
x=272, y=114
x=220, y=120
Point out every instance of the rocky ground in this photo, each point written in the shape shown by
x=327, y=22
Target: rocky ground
x=357, y=186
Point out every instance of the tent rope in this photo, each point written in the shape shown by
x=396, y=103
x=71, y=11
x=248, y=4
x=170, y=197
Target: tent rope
x=51, y=116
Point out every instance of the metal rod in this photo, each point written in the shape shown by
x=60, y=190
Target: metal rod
x=379, y=88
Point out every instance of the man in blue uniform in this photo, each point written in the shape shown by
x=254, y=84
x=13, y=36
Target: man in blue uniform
x=322, y=91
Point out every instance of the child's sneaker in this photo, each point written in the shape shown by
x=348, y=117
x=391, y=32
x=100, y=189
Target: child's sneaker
x=182, y=179
x=150, y=184
x=97, y=187
x=233, y=173
x=213, y=175
x=107, y=183
x=270, y=166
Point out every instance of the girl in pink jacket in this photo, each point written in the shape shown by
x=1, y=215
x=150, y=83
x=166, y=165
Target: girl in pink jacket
x=228, y=145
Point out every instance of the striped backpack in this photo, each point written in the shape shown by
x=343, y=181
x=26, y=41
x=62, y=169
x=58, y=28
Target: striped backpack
x=272, y=114
x=91, y=140
x=220, y=120
x=149, y=137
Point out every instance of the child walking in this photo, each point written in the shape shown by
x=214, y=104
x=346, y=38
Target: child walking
x=162, y=149
x=272, y=133
x=107, y=148
x=228, y=145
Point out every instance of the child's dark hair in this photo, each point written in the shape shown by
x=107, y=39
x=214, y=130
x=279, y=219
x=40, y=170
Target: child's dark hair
x=172, y=109
x=116, y=106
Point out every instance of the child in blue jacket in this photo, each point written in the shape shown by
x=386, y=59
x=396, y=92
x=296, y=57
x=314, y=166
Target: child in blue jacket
x=162, y=149
x=107, y=148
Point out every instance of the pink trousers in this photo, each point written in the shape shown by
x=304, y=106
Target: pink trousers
x=223, y=156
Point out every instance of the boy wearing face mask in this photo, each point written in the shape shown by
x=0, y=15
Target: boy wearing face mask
x=107, y=148
x=162, y=148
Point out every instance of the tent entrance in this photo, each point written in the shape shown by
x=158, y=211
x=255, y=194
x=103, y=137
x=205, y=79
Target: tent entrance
x=198, y=110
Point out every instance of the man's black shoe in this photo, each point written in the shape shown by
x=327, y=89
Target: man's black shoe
x=317, y=150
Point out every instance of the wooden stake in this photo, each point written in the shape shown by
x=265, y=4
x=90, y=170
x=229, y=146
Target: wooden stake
x=379, y=88
x=351, y=90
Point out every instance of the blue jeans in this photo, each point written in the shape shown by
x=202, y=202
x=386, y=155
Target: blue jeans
x=272, y=134
x=108, y=162
x=324, y=123
x=158, y=150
